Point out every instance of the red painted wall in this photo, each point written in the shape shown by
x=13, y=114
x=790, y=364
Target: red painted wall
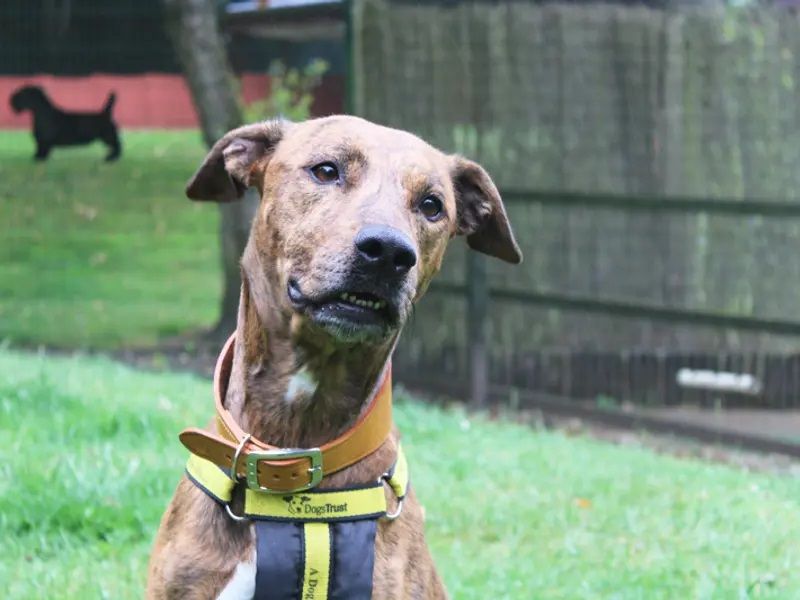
x=146, y=101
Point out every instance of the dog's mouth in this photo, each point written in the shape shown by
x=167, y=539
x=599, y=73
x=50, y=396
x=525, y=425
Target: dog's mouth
x=347, y=313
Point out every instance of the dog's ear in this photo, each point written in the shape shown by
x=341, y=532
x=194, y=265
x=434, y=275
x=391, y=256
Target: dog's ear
x=481, y=215
x=235, y=162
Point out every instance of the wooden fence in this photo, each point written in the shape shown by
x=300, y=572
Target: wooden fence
x=469, y=358
x=649, y=162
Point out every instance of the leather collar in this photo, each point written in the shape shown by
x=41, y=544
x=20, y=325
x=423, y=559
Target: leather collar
x=269, y=468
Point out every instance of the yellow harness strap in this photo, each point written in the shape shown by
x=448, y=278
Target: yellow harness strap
x=317, y=561
x=362, y=502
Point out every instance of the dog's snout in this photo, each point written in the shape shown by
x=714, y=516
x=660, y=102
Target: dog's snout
x=386, y=248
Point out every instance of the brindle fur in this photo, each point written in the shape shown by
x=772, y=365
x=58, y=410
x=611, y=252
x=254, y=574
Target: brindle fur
x=306, y=231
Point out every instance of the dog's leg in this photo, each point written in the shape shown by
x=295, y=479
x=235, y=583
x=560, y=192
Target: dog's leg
x=111, y=139
x=42, y=150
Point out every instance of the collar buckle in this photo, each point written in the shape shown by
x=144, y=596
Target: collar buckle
x=313, y=455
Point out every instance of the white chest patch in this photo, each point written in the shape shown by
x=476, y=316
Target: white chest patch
x=302, y=383
x=242, y=585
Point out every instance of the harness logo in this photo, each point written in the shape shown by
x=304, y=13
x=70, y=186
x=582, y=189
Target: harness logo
x=303, y=505
x=296, y=503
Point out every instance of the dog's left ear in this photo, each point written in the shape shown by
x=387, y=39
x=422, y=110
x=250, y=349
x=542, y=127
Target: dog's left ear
x=235, y=162
x=481, y=215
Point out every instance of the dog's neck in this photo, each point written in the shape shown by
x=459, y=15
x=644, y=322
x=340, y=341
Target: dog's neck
x=290, y=386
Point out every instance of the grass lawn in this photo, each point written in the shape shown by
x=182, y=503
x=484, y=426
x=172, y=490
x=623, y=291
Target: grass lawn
x=97, y=254
x=89, y=457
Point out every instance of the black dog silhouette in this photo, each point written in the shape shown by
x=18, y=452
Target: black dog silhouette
x=55, y=127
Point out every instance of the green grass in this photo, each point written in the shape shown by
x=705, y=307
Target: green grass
x=100, y=255
x=89, y=458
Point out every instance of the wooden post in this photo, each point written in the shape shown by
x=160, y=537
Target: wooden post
x=200, y=47
x=477, y=328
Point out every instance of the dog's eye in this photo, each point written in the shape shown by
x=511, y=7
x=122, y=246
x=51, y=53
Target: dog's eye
x=432, y=208
x=325, y=172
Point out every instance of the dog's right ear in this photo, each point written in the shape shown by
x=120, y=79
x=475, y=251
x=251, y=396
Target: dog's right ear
x=235, y=162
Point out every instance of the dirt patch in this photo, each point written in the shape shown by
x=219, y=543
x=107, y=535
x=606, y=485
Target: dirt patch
x=676, y=446
x=195, y=357
x=782, y=424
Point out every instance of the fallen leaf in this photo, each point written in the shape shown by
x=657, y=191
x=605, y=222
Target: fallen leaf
x=584, y=503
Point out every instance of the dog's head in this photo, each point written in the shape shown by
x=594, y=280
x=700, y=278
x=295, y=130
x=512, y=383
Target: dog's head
x=354, y=217
x=27, y=97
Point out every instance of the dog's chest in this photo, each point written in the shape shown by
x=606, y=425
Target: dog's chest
x=242, y=584
x=308, y=561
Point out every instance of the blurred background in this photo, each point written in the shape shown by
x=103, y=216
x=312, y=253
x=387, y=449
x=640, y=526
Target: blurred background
x=647, y=153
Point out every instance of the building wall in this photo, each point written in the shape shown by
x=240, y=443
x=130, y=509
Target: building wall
x=147, y=100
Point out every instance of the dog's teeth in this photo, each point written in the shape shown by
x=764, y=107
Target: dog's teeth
x=343, y=296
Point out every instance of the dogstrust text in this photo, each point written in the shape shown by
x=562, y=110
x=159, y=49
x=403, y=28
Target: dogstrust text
x=305, y=506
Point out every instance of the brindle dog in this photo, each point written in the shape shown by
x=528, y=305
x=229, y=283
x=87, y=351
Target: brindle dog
x=353, y=224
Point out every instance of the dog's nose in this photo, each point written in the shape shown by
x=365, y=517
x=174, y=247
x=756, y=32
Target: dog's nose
x=386, y=248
